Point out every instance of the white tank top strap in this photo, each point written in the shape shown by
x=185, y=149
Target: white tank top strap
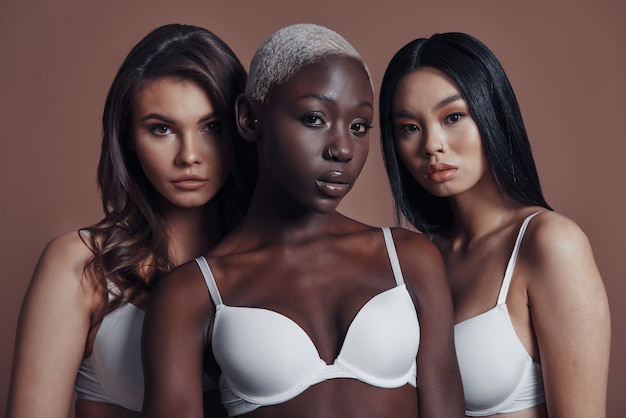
x=508, y=275
x=393, y=256
x=209, y=280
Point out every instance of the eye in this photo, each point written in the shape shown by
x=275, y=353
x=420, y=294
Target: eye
x=454, y=117
x=360, y=128
x=213, y=127
x=160, y=129
x=408, y=129
x=312, y=120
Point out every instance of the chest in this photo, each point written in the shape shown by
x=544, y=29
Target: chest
x=273, y=357
x=318, y=295
x=302, y=315
x=476, y=276
x=476, y=280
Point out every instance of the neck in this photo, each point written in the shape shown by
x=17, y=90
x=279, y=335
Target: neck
x=275, y=217
x=479, y=214
x=192, y=231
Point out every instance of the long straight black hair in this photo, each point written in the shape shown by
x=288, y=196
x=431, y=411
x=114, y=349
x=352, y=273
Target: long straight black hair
x=485, y=87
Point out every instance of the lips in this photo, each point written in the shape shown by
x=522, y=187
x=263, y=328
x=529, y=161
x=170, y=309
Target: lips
x=440, y=172
x=334, y=183
x=189, y=182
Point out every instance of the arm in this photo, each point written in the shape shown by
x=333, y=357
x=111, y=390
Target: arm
x=52, y=331
x=570, y=314
x=173, y=345
x=439, y=387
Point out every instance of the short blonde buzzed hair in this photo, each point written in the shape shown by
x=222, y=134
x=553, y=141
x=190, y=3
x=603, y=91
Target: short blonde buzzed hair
x=290, y=49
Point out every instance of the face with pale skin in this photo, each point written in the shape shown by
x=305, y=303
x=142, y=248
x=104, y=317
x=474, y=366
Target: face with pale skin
x=435, y=134
x=314, y=137
x=176, y=134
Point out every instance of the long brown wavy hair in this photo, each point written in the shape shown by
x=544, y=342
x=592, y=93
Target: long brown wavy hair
x=130, y=244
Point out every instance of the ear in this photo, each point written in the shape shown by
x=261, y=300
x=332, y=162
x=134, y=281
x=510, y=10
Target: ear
x=245, y=114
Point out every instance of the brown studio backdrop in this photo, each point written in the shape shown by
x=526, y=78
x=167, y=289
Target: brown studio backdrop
x=565, y=61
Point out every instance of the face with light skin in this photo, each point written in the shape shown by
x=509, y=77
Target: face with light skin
x=176, y=134
x=435, y=134
x=314, y=132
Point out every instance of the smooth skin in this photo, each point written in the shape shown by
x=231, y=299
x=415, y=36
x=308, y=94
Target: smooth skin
x=176, y=135
x=296, y=255
x=557, y=301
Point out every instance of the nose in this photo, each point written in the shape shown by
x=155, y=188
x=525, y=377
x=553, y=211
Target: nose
x=432, y=142
x=190, y=149
x=340, y=148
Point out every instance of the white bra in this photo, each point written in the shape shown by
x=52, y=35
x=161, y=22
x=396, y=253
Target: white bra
x=266, y=358
x=498, y=374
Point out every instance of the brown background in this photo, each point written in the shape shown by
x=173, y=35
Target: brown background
x=566, y=61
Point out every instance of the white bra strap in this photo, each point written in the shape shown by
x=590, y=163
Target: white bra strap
x=508, y=275
x=393, y=256
x=209, y=280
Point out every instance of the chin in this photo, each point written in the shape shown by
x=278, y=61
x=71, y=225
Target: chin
x=190, y=203
x=438, y=192
x=329, y=206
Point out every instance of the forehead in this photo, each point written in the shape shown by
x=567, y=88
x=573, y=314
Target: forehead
x=172, y=96
x=426, y=81
x=426, y=89
x=169, y=85
x=330, y=77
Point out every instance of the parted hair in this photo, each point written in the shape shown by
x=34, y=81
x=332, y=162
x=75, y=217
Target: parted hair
x=493, y=106
x=130, y=244
x=290, y=49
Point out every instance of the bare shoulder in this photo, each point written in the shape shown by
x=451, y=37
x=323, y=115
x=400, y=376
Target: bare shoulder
x=185, y=276
x=551, y=236
x=182, y=288
x=63, y=260
x=420, y=261
x=60, y=287
x=69, y=246
x=549, y=224
x=556, y=259
x=416, y=249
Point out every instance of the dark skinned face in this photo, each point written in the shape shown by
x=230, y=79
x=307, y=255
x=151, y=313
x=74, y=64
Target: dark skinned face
x=314, y=137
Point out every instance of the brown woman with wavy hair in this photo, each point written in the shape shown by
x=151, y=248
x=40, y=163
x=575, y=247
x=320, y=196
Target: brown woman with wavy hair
x=169, y=193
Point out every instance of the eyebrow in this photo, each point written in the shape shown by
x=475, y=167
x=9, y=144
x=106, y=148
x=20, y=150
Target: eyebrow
x=324, y=98
x=449, y=100
x=440, y=105
x=171, y=121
